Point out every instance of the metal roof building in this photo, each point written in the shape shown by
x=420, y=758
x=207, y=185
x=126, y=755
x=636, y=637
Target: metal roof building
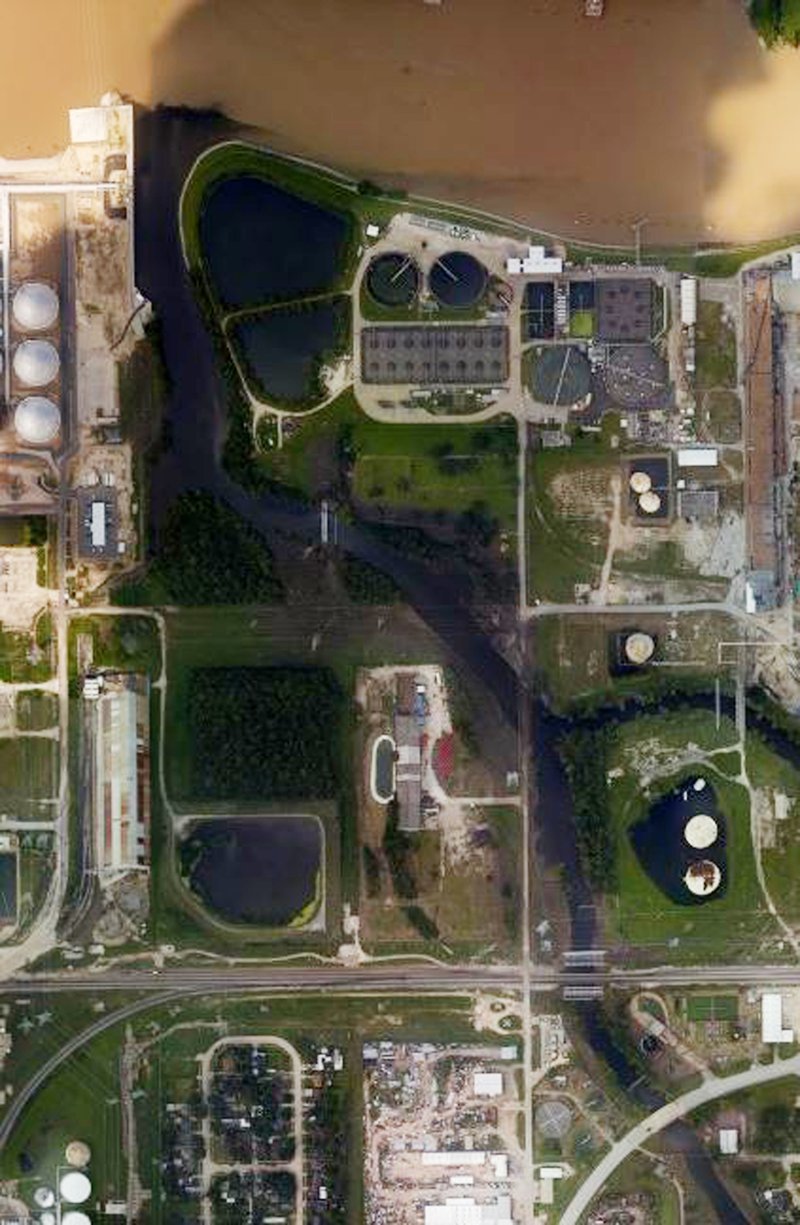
x=120, y=723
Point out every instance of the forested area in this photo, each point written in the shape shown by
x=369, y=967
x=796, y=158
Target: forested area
x=208, y=554
x=265, y=733
x=776, y=21
x=585, y=757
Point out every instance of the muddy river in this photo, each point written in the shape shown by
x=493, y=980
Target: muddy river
x=665, y=109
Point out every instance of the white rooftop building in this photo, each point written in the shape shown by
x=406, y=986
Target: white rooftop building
x=796, y=265
x=120, y=721
x=487, y=1084
x=728, y=1141
x=772, y=1019
x=535, y=263
x=698, y=457
x=465, y=1211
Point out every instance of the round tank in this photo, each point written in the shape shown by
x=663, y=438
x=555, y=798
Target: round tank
x=75, y=1218
x=47, y=1218
x=44, y=1197
x=35, y=307
x=650, y=502
x=35, y=363
x=641, y=482
x=639, y=648
x=78, y=1153
x=702, y=877
x=701, y=831
x=75, y=1187
x=37, y=420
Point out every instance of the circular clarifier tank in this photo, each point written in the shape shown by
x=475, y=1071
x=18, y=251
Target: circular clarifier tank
x=458, y=279
x=702, y=877
x=35, y=307
x=701, y=831
x=35, y=363
x=393, y=279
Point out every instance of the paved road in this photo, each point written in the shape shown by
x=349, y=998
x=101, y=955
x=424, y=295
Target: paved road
x=713, y=1088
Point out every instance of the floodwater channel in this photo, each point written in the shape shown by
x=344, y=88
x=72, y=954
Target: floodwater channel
x=169, y=142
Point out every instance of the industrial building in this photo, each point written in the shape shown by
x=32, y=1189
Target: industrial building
x=97, y=526
x=624, y=310
x=764, y=452
x=463, y=1210
x=772, y=1027
x=119, y=720
x=464, y=355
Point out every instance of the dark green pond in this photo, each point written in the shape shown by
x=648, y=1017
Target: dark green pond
x=283, y=348
x=262, y=243
x=260, y=870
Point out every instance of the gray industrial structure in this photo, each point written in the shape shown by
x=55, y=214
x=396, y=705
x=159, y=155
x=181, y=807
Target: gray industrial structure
x=463, y=354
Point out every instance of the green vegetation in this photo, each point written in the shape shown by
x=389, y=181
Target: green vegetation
x=207, y=554
x=127, y=643
x=733, y=925
x=582, y=324
x=265, y=733
x=716, y=347
x=36, y=709
x=27, y=658
x=776, y=21
x=586, y=754
x=28, y=776
x=365, y=584
x=144, y=387
x=569, y=507
x=778, y=783
x=712, y=1008
x=26, y=530
x=722, y=416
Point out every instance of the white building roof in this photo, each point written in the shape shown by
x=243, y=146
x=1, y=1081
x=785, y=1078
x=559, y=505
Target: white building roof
x=465, y=1211
x=457, y=1157
x=728, y=1140
x=796, y=265
x=772, y=1019
x=698, y=457
x=98, y=527
x=487, y=1084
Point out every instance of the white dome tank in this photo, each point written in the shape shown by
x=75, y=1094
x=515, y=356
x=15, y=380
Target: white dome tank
x=75, y=1188
x=35, y=363
x=44, y=1197
x=78, y=1153
x=75, y=1218
x=37, y=420
x=35, y=307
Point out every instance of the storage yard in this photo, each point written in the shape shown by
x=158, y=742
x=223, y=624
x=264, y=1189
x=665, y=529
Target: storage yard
x=441, y=1138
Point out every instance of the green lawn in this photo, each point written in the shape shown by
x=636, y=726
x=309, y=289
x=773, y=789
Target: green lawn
x=716, y=348
x=444, y=468
x=712, y=1007
x=582, y=324
x=128, y=643
x=781, y=860
x=569, y=506
x=36, y=709
x=732, y=926
x=26, y=658
x=28, y=776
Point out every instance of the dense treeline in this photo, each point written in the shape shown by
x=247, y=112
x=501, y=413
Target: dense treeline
x=585, y=756
x=265, y=733
x=365, y=584
x=777, y=21
x=209, y=555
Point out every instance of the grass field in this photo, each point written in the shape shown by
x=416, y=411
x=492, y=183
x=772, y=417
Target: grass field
x=569, y=507
x=17, y=663
x=712, y=1007
x=36, y=709
x=28, y=776
x=722, y=416
x=716, y=348
x=780, y=855
x=438, y=467
x=582, y=324
x=733, y=926
x=125, y=643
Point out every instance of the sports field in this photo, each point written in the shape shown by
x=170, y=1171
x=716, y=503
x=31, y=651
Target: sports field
x=712, y=1008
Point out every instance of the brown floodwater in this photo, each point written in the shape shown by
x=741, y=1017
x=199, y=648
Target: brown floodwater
x=665, y=109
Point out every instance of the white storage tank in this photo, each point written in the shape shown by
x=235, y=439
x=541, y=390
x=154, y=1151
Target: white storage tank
x=75, y=1187
x=35, y=307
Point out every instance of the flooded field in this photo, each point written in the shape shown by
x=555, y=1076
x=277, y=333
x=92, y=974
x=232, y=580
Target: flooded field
x=666, y=109
x=262, y=870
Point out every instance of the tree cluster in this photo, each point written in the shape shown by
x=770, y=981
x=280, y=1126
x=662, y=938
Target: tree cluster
x=265, y=733
x=585, y=756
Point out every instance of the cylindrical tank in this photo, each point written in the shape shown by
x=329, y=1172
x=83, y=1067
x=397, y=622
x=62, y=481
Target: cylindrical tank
x=44, y=1197
x=75, y=1218
x=75, y=1187
x=78, y=1154
x=650, y=502
x=701, y=831
x=641, y=482
x=639, y=648
x=702, y=877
